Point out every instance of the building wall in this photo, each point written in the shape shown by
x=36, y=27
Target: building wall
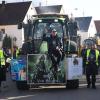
x=92, y=29
x=90, y=33
x=12, y=31
x=29, y=14
x=62, y=11
x=84, y=35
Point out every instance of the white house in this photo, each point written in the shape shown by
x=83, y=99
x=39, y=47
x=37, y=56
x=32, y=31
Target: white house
x=87, y=27
x=13, y=13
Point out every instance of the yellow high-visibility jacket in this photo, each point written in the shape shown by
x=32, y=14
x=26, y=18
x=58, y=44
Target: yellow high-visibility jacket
x=2, y=58
x=96, y=53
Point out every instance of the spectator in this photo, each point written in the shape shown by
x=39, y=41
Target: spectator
x=2, y=67
x=92, y=66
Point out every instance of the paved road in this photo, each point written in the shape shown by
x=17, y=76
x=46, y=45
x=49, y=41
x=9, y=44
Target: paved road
x=50, y=93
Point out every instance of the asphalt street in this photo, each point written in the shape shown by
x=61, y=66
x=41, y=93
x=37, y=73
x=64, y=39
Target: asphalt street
x=49, y=93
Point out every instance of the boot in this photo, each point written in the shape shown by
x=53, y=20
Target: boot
x=93, y=86
x=88, y=86
x=0, y=89
x=4, y=84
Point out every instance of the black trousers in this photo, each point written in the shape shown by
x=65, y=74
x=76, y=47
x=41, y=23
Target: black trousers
x=91, y=72
x=55, y=62
x=84, y=66
x=55, y=53
x=91, y=79
x=3, y=73
x=0, y=83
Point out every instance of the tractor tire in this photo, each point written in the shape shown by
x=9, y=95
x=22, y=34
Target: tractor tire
x=22, y=85
x=72, y=84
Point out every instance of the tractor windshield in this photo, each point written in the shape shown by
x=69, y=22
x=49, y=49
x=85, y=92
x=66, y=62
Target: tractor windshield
x=46, y=28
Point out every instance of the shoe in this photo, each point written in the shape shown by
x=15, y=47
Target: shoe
x=0, y=89
x=6, y=86
x=93, y=87
x=88, y=86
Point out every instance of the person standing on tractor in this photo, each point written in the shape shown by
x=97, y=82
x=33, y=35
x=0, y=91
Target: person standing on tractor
x=72, y=28
x=92, y=55
x=54, y=46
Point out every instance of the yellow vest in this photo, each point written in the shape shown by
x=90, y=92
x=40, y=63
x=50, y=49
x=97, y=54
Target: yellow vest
x=96, y=53
x=2, y=58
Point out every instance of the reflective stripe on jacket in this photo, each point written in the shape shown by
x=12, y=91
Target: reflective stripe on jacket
x=2, y=58
x=96, y=53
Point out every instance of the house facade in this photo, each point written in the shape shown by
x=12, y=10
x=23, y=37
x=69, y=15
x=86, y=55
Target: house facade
x=97, y=25
x=13, y=13
x=87, y=27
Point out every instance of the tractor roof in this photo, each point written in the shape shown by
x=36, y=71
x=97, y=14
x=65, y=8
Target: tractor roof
x=51, y=16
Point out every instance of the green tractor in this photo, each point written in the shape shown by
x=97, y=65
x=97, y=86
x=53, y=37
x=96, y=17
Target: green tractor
x=33, y=68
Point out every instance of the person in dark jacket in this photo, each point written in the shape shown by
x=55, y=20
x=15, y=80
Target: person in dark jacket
x=72, y=27
x=54, y=46
x=54, y=51
x=92, y=66
x=83, y=55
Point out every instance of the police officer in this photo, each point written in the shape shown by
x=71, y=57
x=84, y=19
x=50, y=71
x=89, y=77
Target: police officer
x=2, y=67
x=92, y=66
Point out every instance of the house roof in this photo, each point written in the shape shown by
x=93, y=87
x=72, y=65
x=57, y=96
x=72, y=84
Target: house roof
x=12, y=13
x=48, y=9
x=83, y=23
x=97, y=24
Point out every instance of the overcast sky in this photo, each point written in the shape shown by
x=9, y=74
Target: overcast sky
x=77, y=7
